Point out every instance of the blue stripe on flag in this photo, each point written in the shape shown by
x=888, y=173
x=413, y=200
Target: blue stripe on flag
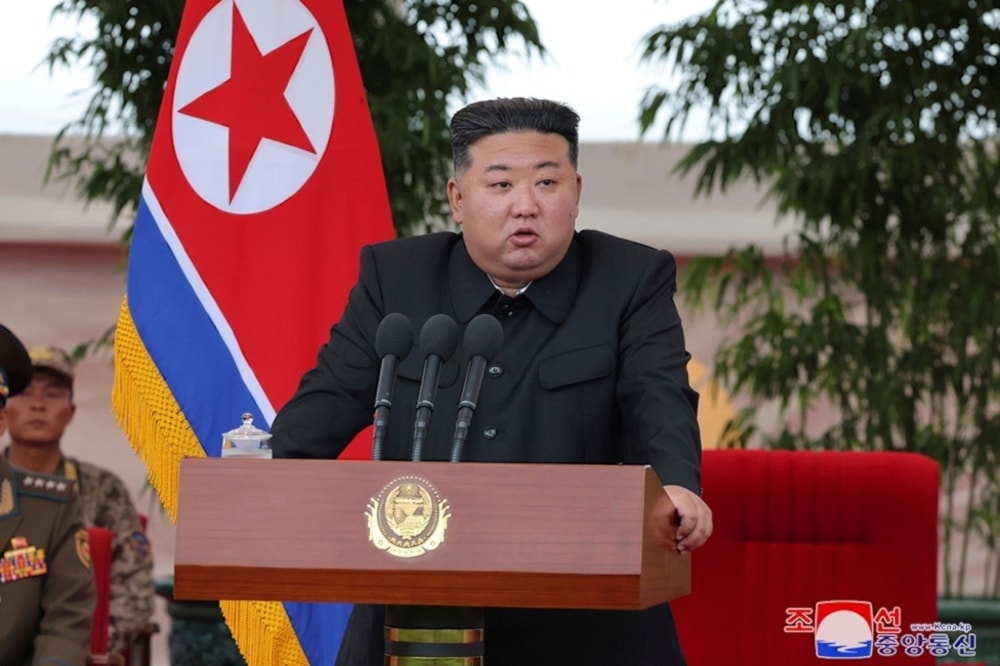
x=320, y=628
x=190, y=354
x=182, y=340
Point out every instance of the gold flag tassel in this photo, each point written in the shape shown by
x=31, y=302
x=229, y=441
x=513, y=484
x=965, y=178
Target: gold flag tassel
x=161, y=435
x=263, y=633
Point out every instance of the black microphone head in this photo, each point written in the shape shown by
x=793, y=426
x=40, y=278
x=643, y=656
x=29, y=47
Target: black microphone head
x=394, y=336
x=483, y=337
x=439, y=336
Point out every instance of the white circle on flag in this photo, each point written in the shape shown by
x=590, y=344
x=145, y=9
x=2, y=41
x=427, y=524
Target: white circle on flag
x=276, y=171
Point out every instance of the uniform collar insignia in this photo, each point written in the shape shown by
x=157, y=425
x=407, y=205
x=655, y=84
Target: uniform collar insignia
x=40, y=482
x=6, y=497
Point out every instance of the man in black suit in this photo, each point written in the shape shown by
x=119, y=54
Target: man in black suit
x=592, y=369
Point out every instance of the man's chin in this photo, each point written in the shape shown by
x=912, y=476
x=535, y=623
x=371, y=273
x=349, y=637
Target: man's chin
x=35, y=442
x=523, y=261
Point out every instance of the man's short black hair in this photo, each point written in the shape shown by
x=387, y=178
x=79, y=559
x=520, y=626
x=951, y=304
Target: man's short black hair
x=514, y=114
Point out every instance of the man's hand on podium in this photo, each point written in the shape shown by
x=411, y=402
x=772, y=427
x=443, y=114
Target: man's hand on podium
x=695, y=521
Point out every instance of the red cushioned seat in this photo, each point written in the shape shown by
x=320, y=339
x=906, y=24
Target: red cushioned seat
x=796, y=528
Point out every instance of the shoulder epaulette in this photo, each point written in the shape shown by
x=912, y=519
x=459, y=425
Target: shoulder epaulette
x=57, y=488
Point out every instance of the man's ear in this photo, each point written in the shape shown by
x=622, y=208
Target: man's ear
x=455, y=200
x=579, y=193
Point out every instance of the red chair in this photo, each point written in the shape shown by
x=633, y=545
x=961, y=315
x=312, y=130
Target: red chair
x=100, y=557
x=138, y=652
x=796, y=528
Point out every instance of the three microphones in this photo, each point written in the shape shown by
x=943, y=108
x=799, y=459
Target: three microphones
x=438, y=340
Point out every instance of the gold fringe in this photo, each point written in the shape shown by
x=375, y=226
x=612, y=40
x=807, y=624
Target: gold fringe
x=148, y=414
x=264, y=633
x=160, y=434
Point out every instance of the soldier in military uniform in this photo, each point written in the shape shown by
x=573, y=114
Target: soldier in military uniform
x=46, y=586
x=37, y=420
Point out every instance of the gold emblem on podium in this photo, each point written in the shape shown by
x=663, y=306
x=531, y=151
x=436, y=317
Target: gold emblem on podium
x=408, y=517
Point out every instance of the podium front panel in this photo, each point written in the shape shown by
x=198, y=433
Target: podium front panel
x=396, y=532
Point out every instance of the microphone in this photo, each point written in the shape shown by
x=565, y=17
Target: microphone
x=483, y=339
x=393, y=341
x=438, y=339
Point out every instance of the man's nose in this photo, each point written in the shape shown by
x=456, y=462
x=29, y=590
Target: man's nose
x=525, y=202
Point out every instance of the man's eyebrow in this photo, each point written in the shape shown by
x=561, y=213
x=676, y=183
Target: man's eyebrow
x=540, y=165
x=52, y=382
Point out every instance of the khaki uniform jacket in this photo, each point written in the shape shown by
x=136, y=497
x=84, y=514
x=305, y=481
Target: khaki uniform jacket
x=45, y=618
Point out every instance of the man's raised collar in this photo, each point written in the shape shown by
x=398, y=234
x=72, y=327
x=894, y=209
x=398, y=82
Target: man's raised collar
x=551, y=294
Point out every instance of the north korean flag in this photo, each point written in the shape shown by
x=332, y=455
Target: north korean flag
x=264, y=181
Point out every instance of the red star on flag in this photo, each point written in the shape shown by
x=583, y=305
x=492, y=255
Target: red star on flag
x=252, y=102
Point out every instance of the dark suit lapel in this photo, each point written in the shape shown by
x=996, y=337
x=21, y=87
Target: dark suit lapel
x=470, y=287
x=553, y=294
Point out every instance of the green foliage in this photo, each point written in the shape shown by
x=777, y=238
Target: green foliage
x=874, y=124
x=416, y=58
x=130, y=57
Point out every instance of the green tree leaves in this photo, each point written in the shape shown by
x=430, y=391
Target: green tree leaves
x=874, y=124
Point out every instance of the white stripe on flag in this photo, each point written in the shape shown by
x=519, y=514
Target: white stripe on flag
x=208, y=303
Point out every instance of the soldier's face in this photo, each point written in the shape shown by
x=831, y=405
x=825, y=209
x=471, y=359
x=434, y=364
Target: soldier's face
x=41, y=413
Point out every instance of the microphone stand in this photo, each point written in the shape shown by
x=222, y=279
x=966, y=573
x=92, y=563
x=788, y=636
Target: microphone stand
x=438, y=339
x=393, y=340
x=483, y=340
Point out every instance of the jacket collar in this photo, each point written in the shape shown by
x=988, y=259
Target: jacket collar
x=67, y=467
x=551, y=294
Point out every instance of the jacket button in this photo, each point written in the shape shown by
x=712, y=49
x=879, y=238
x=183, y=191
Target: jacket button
x=490, y=433
x=495, y=371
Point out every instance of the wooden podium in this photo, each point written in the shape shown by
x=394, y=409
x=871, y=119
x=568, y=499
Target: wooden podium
x=510, y=535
